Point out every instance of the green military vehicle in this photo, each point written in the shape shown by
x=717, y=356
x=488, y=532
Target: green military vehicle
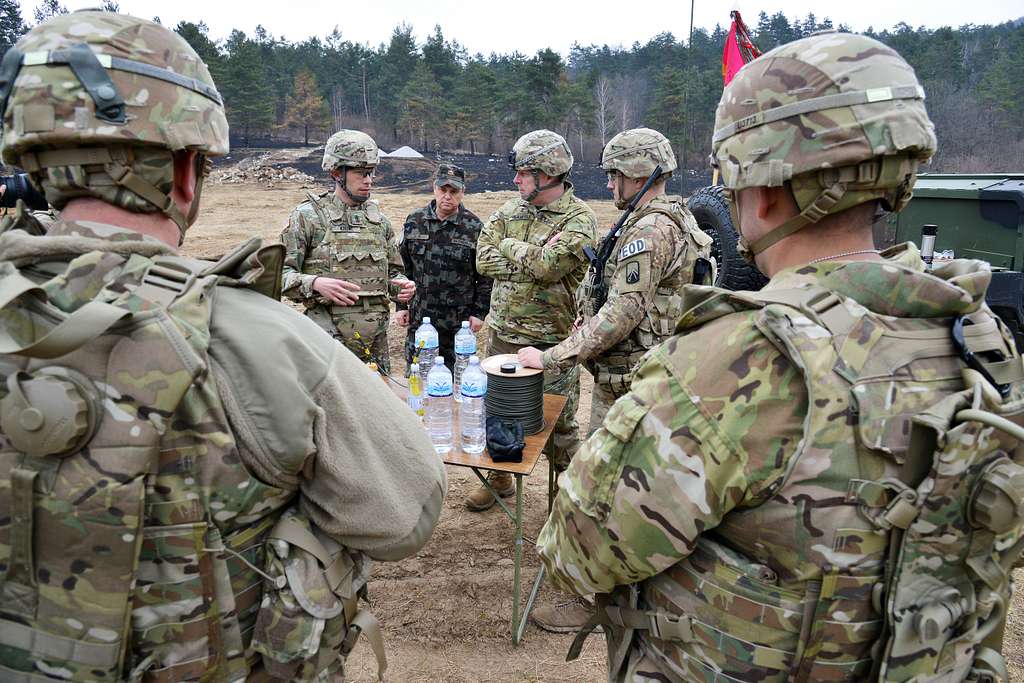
x=978, y=216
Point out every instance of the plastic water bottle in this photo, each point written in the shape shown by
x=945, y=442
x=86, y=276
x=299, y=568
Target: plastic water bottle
x=439, y=406
x=426, y=345
x=415, y=390
x=465, y=346
x=472, y=417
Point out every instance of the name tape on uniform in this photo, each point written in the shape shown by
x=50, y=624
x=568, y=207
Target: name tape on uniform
x=637, y=246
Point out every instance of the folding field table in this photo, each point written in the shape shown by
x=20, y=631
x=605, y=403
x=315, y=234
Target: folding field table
x=553, y=405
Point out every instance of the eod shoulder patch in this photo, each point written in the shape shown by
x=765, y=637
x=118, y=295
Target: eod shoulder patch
x=637, y=246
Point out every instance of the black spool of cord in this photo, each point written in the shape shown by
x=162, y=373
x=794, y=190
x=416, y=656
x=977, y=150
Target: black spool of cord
x=514, y=392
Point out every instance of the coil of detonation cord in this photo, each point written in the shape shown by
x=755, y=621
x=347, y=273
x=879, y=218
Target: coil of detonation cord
x=514, y=392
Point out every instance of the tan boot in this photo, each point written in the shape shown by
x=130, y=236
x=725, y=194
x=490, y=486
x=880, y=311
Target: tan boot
x=481, y=499
x=565, y=617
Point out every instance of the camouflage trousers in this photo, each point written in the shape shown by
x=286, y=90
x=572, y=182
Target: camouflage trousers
x=362, y=329
x=565, y=439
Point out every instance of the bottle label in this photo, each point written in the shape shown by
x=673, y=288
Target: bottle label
x=426, y=342
x=416, y=404
x=465, y=346
x=439, y=388
x=472, y=387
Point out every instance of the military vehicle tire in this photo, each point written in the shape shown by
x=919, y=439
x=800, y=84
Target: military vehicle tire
x=709, y=207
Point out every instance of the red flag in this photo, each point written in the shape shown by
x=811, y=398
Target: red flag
x=739, y=49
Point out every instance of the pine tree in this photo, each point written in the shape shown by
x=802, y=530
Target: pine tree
x=306, y=108
x=248, y=97
x=12, y=25
x=421, y=112
x=47, y=9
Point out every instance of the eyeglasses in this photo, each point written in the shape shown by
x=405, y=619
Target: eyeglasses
x=365, y=172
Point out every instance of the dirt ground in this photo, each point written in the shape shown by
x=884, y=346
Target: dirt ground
x=445, y=612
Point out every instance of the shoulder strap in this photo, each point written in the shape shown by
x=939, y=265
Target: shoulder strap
x=165, y=281
x=314, y=199
x=253, y=265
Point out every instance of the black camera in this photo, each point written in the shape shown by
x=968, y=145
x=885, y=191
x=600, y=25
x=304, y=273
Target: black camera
x=18, y=187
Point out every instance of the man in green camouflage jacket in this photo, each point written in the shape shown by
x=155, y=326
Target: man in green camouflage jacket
x=192, y=487
x=533, y=248
x=784, y=493
x=439, y=252
x=342, y=261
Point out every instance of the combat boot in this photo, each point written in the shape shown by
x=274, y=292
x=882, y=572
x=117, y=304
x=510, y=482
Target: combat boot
x=565, y=617
x=481, y=499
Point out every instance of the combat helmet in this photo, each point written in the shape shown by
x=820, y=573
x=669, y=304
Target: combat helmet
x=839, y=116
x=350, y=149
x=94, y=103
x=542, y=151
x=636, y=153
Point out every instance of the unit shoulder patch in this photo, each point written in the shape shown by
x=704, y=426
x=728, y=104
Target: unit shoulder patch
x=637, y=246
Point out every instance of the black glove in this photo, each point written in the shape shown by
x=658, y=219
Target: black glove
x=505, y=440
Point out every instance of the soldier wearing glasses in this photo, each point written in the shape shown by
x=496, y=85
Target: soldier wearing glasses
x=342, y=260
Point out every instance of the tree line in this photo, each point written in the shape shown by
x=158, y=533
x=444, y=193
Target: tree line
x=437, y=96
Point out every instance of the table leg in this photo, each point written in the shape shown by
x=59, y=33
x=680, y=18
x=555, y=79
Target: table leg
x=518, y=622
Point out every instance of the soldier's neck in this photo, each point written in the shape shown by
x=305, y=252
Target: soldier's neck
x=90, y=209
x=343, y=197
x=441, y=214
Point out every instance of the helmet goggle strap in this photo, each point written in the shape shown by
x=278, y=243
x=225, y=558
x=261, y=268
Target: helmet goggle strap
x=117, y=163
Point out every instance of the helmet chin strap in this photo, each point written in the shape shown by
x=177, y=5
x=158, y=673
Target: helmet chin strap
x=357, y=198
x=623, y=201
x=537, y=187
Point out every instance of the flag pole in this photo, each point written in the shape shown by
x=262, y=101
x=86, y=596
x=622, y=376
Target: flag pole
x=683, y=171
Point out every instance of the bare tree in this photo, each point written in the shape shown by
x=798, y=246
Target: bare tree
x=628, y=94
x=604, y=118
x=338, y=109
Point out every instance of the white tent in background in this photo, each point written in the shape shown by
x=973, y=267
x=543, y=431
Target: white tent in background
x=405, y=152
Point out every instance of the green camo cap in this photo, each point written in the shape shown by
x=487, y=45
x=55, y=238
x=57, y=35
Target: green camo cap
x=450, y=174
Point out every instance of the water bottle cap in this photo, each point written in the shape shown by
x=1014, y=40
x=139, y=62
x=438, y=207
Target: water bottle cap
x=426, y=320
x=439, y=360
x=415, y=367
x=465, y=324
x=474, y=360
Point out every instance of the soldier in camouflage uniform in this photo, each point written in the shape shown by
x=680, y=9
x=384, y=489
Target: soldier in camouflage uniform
x=659, y=249
x=821, y=480
x=657, y=252
x=342, y=261
x=533, y=248
x=439, y=252
x=190, y=491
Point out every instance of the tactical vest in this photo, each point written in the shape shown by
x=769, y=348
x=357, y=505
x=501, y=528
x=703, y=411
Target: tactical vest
x=891, y=536
x=133, y=540
x=354, y=246
x=613, y=369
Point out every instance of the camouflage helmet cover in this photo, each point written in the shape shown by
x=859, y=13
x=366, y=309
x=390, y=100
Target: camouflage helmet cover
x=834, y=114
x=169, y=98
x=350, y=148
x=544, y=151
x=637, y=152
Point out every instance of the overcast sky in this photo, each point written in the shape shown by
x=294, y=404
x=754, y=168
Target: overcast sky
x=526, y=26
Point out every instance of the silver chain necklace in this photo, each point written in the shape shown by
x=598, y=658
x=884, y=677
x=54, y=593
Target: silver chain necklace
x=845, y=253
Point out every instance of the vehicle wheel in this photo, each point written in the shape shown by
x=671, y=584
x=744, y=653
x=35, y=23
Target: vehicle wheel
x=711, y=211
